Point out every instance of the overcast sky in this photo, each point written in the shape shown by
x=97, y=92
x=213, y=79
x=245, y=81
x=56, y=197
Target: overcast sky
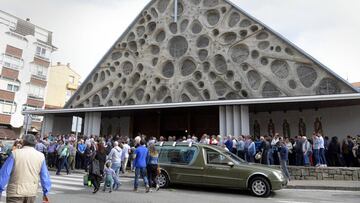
x=84, y=30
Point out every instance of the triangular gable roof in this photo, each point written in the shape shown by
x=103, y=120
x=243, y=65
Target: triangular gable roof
x=215, y=51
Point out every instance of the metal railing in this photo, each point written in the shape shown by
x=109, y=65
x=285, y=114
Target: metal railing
x=38, y=76
x=9, y=61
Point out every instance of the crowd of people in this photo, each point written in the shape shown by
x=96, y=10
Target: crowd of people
x=104, y=158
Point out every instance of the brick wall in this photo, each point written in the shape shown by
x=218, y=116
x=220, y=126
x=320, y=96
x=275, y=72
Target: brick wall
x=9, y=73
x=34, y=102
x=324, y=173
x=6, y=95
x=5, y=119
x=38, y=82
x=41, y=62
x=13, y=51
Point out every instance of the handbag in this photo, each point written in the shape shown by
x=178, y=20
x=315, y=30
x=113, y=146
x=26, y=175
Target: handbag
x=258, y=156
x=95, y=167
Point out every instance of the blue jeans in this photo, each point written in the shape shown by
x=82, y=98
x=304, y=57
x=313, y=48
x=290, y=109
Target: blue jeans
x=63, y=162
x=142, y=172
x=316, y=156
x=285, y=168
x=269, y=158
x=307, y=159
x=322, y=156
x=116, y=167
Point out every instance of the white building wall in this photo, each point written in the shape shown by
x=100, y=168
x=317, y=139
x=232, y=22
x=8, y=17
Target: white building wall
x=28, y=44
x=337, y=121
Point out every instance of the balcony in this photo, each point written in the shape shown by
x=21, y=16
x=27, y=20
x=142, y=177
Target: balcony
x=35, y=101
x=5, y=119
x=71, y=86
x=11, y=62
x=41, y=61
x=6, y=95
x=42, y=57
x=39, y=77
x=36, y=80
x=9, y=73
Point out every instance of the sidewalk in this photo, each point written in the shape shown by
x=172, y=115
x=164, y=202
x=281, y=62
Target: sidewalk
x=293, y=184
x=324, y=185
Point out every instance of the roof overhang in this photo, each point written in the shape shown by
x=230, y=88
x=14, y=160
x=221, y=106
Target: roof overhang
x=318, y=98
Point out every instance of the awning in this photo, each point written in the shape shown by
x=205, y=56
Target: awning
x=355, y=98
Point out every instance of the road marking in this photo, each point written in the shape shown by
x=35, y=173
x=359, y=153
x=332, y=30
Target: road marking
x=291, y=201
x=66, y=187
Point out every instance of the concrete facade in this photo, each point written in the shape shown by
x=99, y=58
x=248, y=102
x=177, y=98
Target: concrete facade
x=234, y=120
x=92, y=123
x=214, y=51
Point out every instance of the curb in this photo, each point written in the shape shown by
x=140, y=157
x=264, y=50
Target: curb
x=306, y=187
x=302, y=187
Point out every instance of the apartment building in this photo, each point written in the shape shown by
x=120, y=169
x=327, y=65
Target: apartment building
x=62, y=83
x=25, y=56
x=356, y=85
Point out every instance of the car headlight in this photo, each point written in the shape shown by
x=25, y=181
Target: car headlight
x=278, y=175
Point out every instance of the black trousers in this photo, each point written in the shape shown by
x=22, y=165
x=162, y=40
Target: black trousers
x=51, y=159
x=95, y=180
x=152, y=173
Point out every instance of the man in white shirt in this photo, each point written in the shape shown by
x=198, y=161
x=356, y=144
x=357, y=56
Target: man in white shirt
x=125, y=156
x=322, y=150
x=115, y=157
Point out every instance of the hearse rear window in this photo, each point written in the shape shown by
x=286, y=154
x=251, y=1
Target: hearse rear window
x=182, y=155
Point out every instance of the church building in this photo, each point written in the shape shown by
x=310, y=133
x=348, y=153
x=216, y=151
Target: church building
x=206, y=66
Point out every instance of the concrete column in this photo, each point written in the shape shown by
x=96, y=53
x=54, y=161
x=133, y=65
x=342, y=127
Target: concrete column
x=222, y=120
x=229, y=121
x=47, y=125
x=237, y=120
x=245, y=120
x=92, y=123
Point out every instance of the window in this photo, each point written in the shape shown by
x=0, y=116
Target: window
x=177, y=155
x=214, y=157
x=7, y=107
x=36, y=91
x=42, y=52
x=12, y=88
x=71, y=79
x=39, y=71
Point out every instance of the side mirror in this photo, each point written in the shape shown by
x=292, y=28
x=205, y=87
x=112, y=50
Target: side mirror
x=231, y=164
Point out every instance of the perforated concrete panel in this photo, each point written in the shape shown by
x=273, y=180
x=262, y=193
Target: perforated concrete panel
x=214, y=51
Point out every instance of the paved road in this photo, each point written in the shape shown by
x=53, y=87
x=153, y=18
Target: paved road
x=69, y=189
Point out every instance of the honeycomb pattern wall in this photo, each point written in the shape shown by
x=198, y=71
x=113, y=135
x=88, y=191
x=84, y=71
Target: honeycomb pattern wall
x=213, y=52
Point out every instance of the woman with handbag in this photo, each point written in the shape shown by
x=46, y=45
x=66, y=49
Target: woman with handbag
x=96, y=170
x=153, y=167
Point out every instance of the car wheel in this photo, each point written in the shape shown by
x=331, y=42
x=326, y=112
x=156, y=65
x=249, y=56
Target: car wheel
x=260, y=187
x=163, y=180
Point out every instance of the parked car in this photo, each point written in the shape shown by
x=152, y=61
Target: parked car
x=207, y=165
